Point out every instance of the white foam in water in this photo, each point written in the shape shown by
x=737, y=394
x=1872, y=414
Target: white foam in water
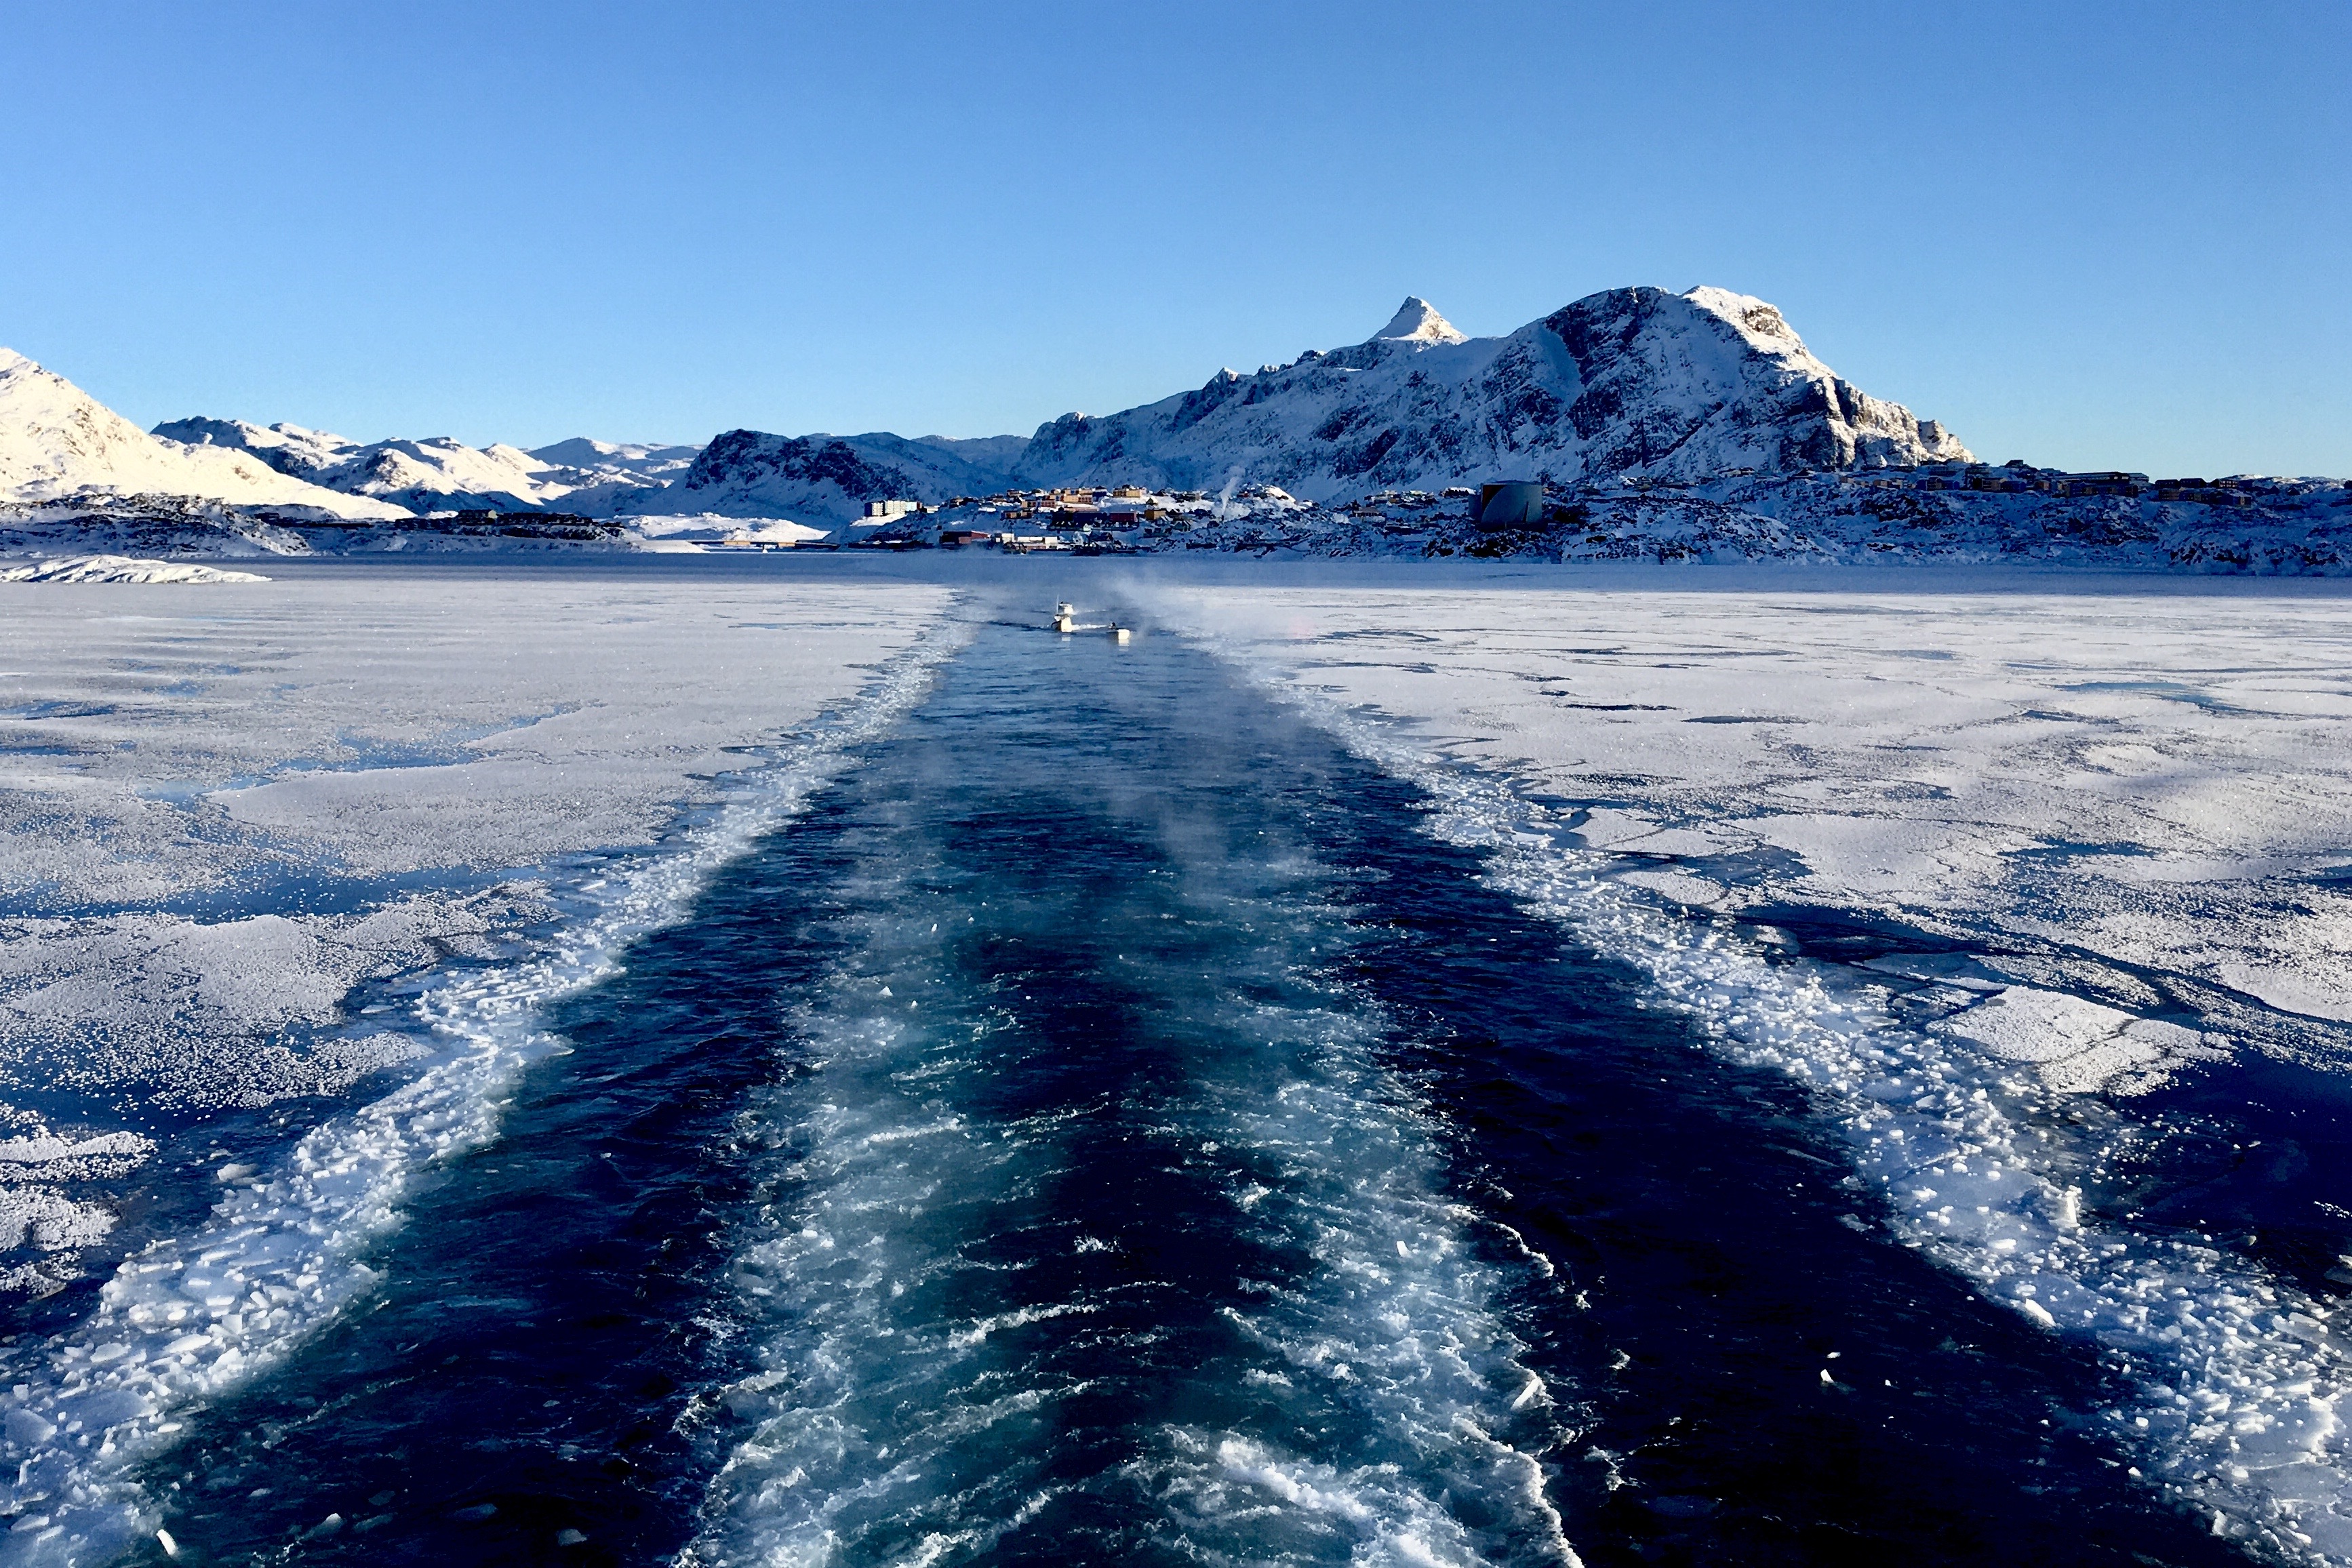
x=1398, y=1311
x=2239, y=1374
x=864, y=1405
x=194, y=1317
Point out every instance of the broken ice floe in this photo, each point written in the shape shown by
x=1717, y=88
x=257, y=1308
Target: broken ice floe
x=2079, y=1046
x=191, y=1317
x=122, y=568
x=2240, y=1376
x=201, y=1015
x=43, y=1226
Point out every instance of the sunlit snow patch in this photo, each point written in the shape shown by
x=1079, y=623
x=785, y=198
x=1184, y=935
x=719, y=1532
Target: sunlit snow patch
x=2077, y=1046
x=193, y=1317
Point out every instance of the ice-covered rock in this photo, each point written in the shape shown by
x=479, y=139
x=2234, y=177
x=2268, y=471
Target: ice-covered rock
x=122, y=568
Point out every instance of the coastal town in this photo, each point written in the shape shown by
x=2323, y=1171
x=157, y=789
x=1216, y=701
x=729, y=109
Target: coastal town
x=1974, y=510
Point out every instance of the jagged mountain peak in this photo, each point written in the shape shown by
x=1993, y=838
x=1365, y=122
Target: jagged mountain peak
x=1762, y=324
x=1417, y=321
x=1628, y=381
x=1636, y=382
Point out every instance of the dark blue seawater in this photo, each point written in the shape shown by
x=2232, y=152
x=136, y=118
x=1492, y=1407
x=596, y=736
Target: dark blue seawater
x=1108, y=1128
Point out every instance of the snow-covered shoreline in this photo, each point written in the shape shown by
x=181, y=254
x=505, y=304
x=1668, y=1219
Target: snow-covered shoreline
x=2286, y=528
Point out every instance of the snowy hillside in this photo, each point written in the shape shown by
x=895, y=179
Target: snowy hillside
x=442, y=474
x=606, y=478
x=828, y=478
x=1633, y=381
x=289, y=448
x=638, y=457
x=57, y=441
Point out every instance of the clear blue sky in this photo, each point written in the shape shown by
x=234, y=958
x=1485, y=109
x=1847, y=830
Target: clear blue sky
x=2085, y=235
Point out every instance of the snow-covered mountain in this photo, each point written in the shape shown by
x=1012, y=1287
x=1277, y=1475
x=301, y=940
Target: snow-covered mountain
x=442, y=474
x=588, y=454
x=289, y=448
x=1633, y=381
x=57, y=441
x=749, y=473
x=607, y=478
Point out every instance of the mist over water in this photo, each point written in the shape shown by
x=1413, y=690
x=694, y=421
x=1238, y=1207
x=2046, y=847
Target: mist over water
x=1109, y=1127
x=1100, y=1224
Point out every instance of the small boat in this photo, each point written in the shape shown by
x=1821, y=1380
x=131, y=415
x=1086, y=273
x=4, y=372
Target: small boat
x=1065, y=620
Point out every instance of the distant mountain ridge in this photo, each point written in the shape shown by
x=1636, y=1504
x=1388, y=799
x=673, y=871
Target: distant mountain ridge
x=751, y=474
x=443, y=474
x=1632, y=381
x=1628, y=383
x=631, y=456
x=57, y=441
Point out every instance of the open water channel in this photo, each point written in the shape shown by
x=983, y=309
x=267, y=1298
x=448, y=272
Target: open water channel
x=1107, y=1127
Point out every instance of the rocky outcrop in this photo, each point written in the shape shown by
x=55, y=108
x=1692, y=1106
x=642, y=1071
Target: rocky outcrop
x=1632, y=381
x=751, y=474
